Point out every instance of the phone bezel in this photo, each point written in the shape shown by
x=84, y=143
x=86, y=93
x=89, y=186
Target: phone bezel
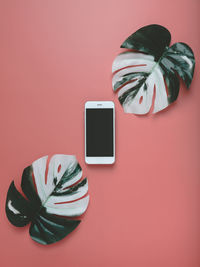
x=99, y=105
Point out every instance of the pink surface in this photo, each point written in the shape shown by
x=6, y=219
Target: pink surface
x=144, y=210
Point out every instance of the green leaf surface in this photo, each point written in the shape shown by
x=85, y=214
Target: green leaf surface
x=18, y=209
x=47, y=229
x=152, y=39
x=28, y=187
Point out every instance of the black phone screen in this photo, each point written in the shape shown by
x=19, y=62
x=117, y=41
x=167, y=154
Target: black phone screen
x=99, y=132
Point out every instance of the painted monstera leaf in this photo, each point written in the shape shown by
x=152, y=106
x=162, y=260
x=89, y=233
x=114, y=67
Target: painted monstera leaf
x=148, y=73
x=49, y=194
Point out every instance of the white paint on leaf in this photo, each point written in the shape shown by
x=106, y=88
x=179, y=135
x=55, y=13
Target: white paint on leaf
x=11, y=208
x=139, y=100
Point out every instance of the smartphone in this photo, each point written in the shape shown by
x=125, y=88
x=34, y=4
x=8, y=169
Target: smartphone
x=99, y=132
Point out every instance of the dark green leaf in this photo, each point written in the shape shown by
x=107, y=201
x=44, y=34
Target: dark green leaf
x=64, y=193
x=180, y=58
x=139, y=76
x=18, y=209
x=152, y=39
x=47, y=229
x=28, y=188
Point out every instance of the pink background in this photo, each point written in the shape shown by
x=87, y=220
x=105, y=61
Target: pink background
x=144, y=210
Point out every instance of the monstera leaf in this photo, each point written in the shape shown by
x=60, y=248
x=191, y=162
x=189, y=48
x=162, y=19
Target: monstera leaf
x=56, y=191
x=151, y=75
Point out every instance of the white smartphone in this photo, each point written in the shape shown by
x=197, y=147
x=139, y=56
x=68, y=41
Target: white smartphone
x=99, y=132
